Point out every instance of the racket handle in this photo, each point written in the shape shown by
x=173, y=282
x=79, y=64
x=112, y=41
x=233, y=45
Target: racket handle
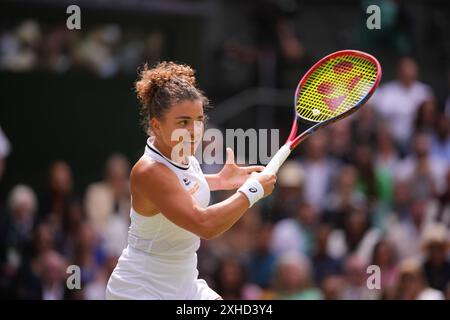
x=277, y=160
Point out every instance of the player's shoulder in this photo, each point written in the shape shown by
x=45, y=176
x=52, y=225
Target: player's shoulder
x=150, y=171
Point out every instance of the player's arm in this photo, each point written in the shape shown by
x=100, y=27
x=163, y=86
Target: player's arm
x=231, y=176
x=172, y=200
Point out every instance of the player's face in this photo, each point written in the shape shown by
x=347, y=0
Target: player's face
x=182, y=127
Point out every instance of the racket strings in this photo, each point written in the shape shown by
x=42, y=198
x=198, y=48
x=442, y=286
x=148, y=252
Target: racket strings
x=335, y=87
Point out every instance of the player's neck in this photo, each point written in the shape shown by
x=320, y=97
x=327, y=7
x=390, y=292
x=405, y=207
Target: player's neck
x=166, y=151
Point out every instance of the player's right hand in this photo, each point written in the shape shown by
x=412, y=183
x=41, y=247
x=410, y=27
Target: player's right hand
x=267, y=181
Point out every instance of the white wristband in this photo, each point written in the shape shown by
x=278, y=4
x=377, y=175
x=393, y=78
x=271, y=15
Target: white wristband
x=253, y=190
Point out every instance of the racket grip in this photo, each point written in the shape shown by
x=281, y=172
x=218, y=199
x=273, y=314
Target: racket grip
x=277, y=160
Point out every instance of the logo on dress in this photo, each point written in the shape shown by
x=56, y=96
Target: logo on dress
x=186, y=181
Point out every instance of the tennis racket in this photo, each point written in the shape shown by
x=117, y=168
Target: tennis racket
x=335, y=87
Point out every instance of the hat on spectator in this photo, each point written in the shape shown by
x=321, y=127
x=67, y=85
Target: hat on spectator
x=291, y=175
x=435, y=233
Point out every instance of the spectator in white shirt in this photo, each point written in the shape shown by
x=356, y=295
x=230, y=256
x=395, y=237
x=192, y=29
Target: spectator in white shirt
x=398, y=101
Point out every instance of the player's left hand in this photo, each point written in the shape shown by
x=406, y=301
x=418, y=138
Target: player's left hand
x=232, y=176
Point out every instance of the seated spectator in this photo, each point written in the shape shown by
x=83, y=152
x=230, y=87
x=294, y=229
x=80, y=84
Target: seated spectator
x=356, y=237
x=440, y=140
x=295, y=234
x=231, y=281
x=294, y=279
x=436, y=268
x=319, y=170
x=438, y=209
x=47, y=279
x=288, y=195
x=340, y=140
x=332, y=287
x=16, y=234
x=107, y=204
x=54, y=204
x=324, y=265
x=88, y=253
x=386, y=154
x=412, y=284
x=356, y=281
x=426, y=117
x=424, y=172
x=373, y=183
x=261, y=263
x=385, y=257
x=343, y=197
x=405, y=234
x=397, y=101
x=95, y=290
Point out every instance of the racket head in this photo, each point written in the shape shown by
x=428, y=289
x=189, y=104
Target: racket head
x=334, y=87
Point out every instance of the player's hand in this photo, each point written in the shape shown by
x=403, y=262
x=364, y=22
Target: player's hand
x=232, y=176
x=267, y=181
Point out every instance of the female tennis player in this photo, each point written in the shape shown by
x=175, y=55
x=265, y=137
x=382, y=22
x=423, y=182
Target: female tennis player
x=170, y=194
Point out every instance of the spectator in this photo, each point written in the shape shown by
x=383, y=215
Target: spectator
x=398, y=101
x=324, y=265
x=375, y=184
x=47, y=278
x=107, y=204
x=425, y=117
x=294, y=279
x=422, y=170
x=262, y=261
x=55, y=203
x=405, y=234
x=343, y=197
x=412, y=285
x=440, y=141
x=332, y=287
x=340, y=140
x=295, y=234
x=289, y=194
x=357, y=237
x=231, y=281
x=436, y=241
x=438, y=209
x=384, y=256
x=16, y=235
x=319, y=170
x=356, y=281
x=364, y=125
x=88, y=254
x=386, y=155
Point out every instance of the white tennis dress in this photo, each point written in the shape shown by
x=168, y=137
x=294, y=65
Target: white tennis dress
x=160, y=261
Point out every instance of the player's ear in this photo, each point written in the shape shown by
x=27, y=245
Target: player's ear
x=155, y=125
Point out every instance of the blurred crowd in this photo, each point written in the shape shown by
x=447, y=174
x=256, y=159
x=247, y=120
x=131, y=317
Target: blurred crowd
x=104, y=50
x=371, y=190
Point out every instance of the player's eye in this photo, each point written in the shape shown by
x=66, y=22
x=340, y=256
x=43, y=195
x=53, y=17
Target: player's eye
x=183, y=123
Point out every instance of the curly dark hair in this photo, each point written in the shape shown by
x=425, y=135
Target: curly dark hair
x=166, y=83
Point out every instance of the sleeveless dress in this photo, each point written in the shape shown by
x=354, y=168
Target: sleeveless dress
x=160, y=260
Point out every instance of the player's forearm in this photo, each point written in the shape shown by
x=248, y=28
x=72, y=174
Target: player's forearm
x=214, y=181
x=221, y=216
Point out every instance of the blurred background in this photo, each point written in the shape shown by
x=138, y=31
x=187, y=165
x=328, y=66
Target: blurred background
x=371, y=190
